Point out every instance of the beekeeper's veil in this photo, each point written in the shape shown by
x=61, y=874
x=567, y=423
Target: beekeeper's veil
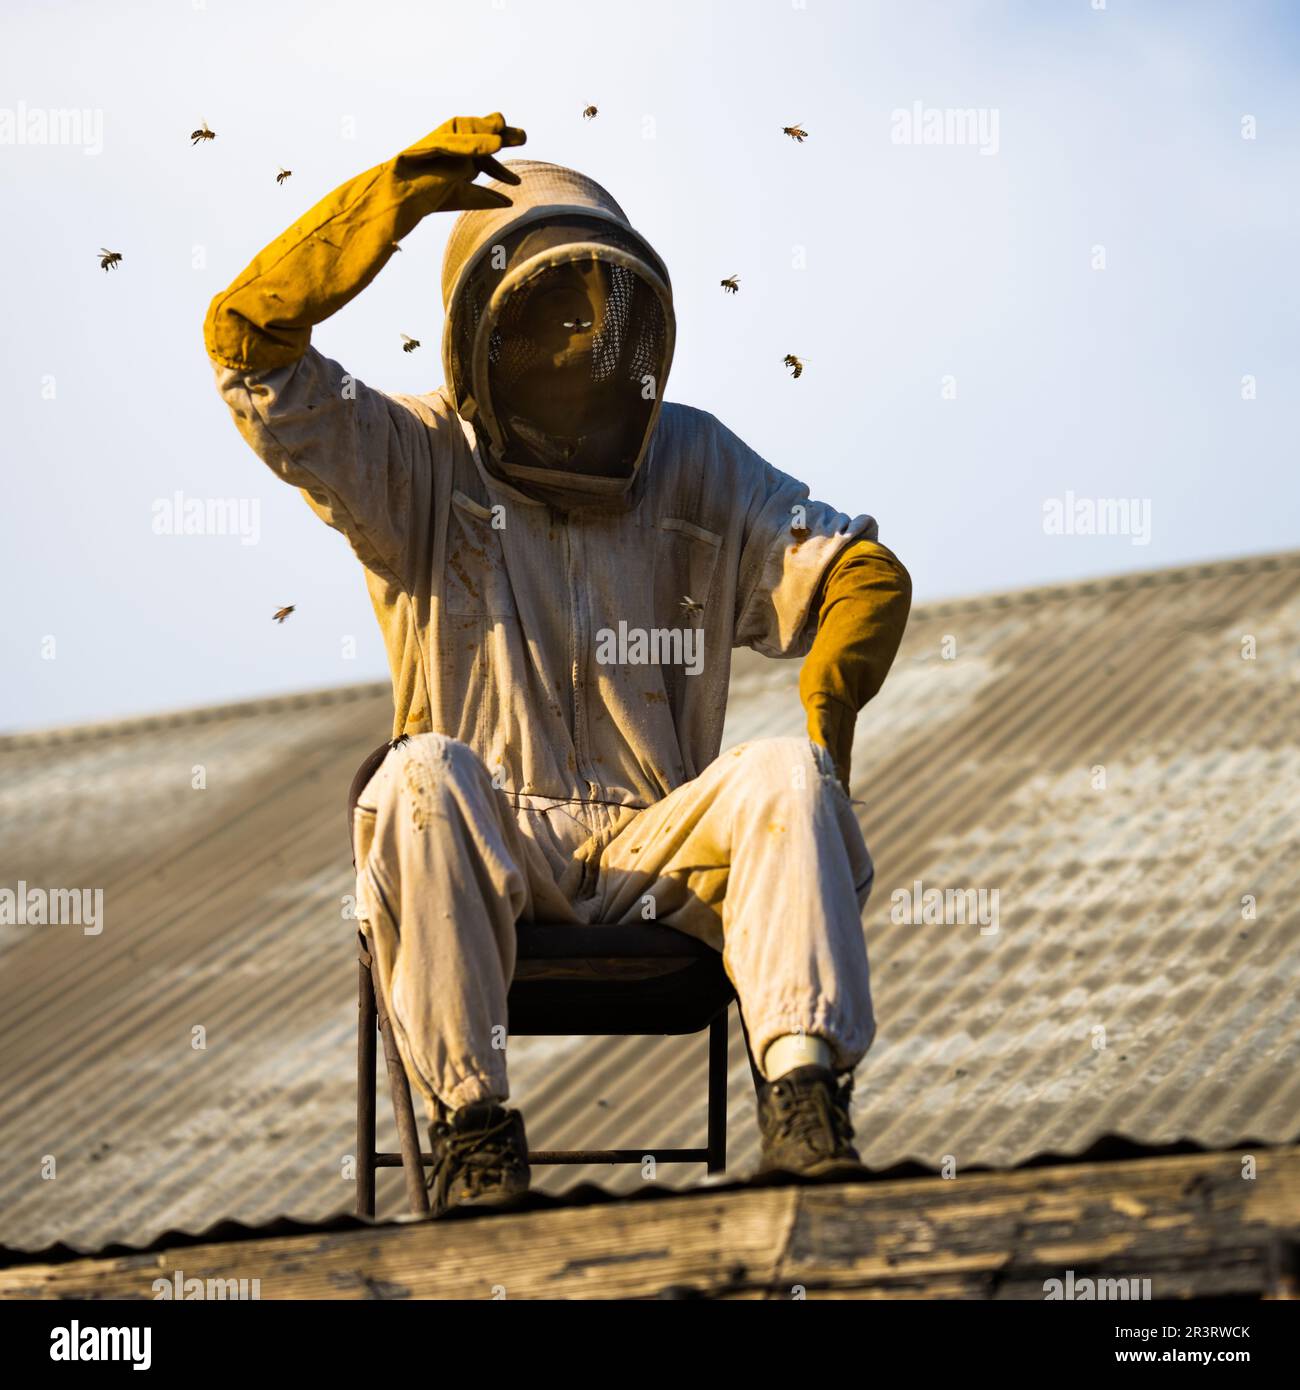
x=558, y=336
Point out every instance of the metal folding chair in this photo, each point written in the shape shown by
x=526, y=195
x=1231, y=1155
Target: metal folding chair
x=588, y=981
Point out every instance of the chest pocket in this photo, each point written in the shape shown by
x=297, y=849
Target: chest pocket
x=686, y=560
x=475, y=580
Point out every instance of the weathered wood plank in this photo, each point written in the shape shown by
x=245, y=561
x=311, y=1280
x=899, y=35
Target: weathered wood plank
x=581, y=1252
x=1192, y=1225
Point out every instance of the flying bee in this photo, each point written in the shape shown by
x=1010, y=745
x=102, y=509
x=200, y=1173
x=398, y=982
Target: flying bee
x=283, y=174
x=796, y=132
x=109, y=260
x=731, y=284
x=203, y=133
x=589, y=113
x=691, y=607
x=409, y=344
x=281, y=614
x=794, y=363
x=577, y=325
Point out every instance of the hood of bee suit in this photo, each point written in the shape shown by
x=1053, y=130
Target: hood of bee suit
x=558, y=337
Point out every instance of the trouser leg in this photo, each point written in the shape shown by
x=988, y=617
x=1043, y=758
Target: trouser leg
x=762, y=856
x=439, y=889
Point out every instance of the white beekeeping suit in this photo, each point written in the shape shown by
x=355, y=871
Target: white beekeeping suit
x=561, y=563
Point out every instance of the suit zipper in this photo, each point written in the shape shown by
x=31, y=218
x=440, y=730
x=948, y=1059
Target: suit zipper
x=576, y=648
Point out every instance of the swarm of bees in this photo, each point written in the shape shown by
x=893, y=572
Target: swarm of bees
x=692, y=608
x=109, y=260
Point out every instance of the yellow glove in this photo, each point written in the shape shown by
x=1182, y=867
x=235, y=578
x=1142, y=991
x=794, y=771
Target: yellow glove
x=865, y=598
x=265, y=318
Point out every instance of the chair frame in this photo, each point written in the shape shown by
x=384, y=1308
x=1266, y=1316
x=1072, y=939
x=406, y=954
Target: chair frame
x=372, y=1018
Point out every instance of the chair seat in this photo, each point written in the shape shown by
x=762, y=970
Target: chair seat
x=603, y=980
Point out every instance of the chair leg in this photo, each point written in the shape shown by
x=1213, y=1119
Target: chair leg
x=717, y=1160
x=408, y=1137
x=756, y=1075
x=365, y=1155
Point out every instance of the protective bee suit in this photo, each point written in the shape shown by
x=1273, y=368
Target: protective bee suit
x=561, y=563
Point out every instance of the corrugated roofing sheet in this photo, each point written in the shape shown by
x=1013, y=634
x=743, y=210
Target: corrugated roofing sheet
x=1100, y=755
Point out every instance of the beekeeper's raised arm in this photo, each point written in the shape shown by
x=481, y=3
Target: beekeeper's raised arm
x=351, y=449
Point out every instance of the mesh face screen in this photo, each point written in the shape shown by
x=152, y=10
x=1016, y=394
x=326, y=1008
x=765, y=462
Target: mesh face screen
x=576, y=356
x=629, y=296
x=624, y=343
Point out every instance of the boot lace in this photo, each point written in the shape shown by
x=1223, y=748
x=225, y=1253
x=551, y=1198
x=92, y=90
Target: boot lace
x=817, y=1116
x=478, y=1158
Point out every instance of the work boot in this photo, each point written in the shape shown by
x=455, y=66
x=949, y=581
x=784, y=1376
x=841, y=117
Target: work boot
x=480, y=1157
x=804, y=1120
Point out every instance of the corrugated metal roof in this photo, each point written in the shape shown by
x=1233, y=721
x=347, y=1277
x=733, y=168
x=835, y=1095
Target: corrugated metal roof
x=1119, y=908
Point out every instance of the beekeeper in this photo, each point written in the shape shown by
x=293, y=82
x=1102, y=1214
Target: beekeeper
x=546, y=498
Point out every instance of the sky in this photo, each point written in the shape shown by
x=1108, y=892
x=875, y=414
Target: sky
x=1082, y=303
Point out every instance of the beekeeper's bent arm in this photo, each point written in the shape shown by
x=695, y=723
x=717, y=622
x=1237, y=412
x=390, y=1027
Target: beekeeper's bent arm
x=355, y=452
x=265, y=318
x=862, y=607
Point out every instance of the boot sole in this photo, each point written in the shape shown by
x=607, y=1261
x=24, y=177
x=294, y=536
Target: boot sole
x=830, y=1167
x=486, y=1201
